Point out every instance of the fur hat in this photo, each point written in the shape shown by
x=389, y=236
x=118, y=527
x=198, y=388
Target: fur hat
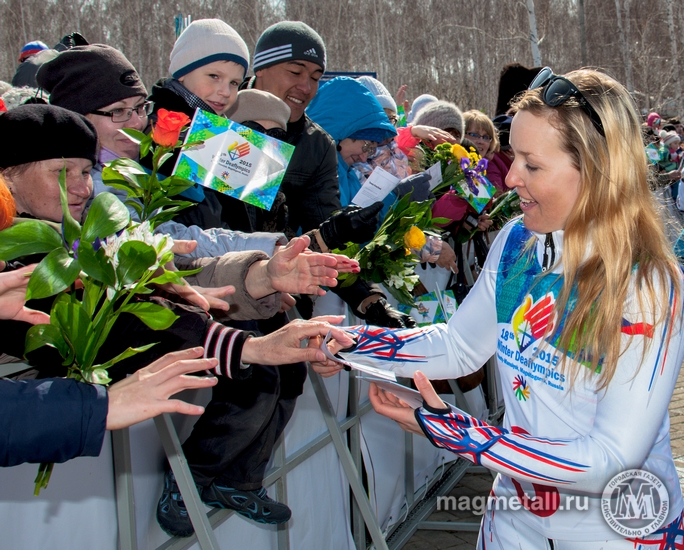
x=440, y=114
x=419, y=103
x=87, y=78
x=257, y=105
x=42, y=132
x=32, y=48
x=205, y=41
x=381, y=93
x=668, y=138
x=288, y=41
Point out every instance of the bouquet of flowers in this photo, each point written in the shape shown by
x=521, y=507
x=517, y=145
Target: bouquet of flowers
x=391, y=256
x=149, y=195
x=109, y=260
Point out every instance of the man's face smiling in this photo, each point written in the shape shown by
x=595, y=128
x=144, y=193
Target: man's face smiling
x=295, y=82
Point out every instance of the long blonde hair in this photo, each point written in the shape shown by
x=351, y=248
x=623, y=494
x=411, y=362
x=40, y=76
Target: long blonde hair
x=614, y=230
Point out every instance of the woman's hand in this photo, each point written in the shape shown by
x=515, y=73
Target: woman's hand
x=434, y=136
x=145, y=394
x=395, y=409
x=296, y=270
x=284, y=346
x=483, y=222
x=447, y=258
x=13, y=297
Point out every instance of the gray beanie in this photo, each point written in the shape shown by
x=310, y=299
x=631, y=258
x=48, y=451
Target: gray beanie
x=205, y=41
x=288, y=41
x=381, y=93
x=440, y=114
x=257, y=105
x=87, y=78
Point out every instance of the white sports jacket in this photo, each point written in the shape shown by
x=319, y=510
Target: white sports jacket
x=557, y=440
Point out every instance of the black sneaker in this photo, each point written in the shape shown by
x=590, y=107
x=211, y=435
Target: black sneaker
x=172, y=515
x=255, y=505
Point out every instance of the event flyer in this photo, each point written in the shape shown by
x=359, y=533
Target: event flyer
x=233, y=159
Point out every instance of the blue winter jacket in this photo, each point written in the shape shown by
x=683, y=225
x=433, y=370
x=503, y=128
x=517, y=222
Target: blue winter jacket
x=50, y=420
x=343, y=107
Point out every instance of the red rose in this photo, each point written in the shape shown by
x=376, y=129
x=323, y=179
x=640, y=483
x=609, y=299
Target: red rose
x=168, y=127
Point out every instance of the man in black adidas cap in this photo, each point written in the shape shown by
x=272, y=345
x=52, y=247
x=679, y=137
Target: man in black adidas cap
x=289, y=60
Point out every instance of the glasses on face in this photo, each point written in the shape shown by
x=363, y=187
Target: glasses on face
x=369, y=148
x=124, y=114
x=483, y=137
x=558, y=89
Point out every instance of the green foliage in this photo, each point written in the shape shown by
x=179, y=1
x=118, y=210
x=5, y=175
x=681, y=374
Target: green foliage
x=385, y=259
x=112, y=261
x=148, y=194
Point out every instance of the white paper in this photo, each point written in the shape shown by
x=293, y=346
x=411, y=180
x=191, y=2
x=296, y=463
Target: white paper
x=409, y=396
x=380, y=373
x=435, y=172
x=378, y=185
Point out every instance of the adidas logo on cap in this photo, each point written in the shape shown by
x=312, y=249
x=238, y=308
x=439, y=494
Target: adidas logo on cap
x=311, y=52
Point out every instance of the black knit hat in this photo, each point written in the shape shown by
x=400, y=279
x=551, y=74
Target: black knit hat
x=41, y=132
x=288, y=41
x=87, y=78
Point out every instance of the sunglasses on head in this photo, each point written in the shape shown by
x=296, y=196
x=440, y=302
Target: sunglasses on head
x=558, y=89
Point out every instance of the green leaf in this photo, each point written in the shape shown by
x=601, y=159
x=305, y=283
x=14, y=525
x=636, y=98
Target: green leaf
x=130, y=352
x=175, y=185
x=55, y=273
x=350, y=280
x=135, y=257
x=45, y=335
x=153, y=315
x=135, y=135
x=96, y=264
x=72, y=229
x=145, y=146
x=173, y=277
x=96, y=376
x=106, y=216
x=164, y=158
x=77, y=329
x=29, y=237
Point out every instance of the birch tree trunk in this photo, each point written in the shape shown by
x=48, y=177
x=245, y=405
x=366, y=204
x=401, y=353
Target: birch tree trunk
x=674, y=62
x=626, y=57
x=583, y=31
x=534, y=38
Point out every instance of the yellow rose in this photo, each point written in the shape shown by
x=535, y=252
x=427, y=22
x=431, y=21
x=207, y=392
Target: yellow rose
x=459, y=151
x=414, y=238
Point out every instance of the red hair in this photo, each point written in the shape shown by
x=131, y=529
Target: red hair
x=7, y=206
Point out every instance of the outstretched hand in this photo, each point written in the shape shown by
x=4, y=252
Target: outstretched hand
x=145, y=394
x=432, y=135
x=284, y=346
x=13, y=296
x=395, y=409
x=296, y=270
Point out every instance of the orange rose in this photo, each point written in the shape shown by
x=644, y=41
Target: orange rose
x=168, y=127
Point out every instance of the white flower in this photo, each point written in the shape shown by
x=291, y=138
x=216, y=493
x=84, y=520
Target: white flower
x=161, y=243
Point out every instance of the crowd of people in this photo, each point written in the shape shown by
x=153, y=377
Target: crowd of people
x=579, y=299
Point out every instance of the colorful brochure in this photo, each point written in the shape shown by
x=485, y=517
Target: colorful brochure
x=233, y=159
x=432, y=308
